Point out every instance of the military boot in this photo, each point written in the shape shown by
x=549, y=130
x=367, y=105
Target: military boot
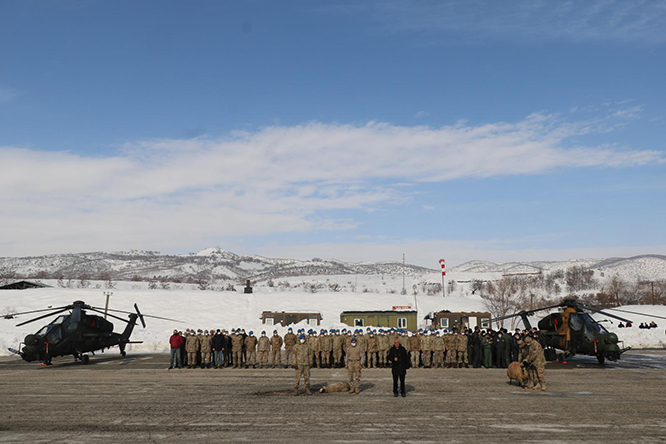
x=543, y=387
x=307, y=390
x=356, y=391
x=296, y=391
x=351, y=389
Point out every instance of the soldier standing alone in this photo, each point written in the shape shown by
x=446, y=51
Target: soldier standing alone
x=353, y=366
x=302, y=363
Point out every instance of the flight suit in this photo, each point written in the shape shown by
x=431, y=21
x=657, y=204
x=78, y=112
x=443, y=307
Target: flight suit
x=302, y=364
x=263, y=348
x=251, y=351
x=276, y=354
x=353, y=364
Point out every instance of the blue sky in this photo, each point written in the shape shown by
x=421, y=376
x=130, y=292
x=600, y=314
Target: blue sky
x=355, y=129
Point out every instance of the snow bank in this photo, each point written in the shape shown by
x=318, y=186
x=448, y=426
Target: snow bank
x=207, y=309
x=215, y=309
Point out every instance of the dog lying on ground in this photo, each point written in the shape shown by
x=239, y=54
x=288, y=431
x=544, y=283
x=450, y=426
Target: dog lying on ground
x=516, y=372
x=335, y=387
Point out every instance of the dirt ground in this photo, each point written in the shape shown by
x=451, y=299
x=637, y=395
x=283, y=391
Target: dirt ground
x=136, y=399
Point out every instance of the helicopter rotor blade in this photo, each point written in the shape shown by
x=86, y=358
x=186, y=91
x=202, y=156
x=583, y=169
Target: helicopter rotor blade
x=144, y=315
x=43, y=316
x=143, y=322
x=603, y=313
x=636, y=313
x=36, y=311
x=525, y=312
x=108, y=314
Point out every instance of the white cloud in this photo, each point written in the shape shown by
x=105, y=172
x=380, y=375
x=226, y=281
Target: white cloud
x=428, y=207
x=172, y=194
x=421, y=114
x=526, y=20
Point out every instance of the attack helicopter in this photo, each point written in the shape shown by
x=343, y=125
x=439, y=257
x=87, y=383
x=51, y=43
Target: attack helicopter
x=573, y=331
x=76, y=333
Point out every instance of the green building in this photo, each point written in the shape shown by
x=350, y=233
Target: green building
x=405, y=319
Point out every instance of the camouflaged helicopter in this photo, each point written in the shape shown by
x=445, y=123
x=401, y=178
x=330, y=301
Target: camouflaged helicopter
x=76, y=333
x=573, y=331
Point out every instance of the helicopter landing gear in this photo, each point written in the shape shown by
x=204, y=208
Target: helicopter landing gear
x=123, y=353
x=83, y=358
x=601, y=358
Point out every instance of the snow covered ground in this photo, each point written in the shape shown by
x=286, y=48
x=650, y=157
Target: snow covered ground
x=218, y=309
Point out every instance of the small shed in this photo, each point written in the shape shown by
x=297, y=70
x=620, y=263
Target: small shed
x=461, y=319
x=22, y=285
x=405, y=319
x=285, y=318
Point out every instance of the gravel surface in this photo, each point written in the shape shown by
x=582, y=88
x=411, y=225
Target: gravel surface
x=136, y=398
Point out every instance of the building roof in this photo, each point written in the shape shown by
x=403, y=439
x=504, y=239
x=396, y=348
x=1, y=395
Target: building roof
x=22, y=285
x=377, y=311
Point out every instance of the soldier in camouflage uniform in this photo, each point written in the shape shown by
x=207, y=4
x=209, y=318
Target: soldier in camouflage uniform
x=290, y=340
x=192, y=347
x=536, y=363
x=383, y=346
x=325, y=349
x=338, y=342
x=451, y=344
x=206, y=346
x=276, y=346
x=461, y=350
x=237, y=349
x=251, y=350
x=426, y=354
x=372, y=351
x=313, y=344
x=302, y=364
x=354, y=365
x=263, y=348
x=438, y=346
x=414, y=349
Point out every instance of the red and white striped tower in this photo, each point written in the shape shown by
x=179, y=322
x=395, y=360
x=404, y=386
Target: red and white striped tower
x=442, y=262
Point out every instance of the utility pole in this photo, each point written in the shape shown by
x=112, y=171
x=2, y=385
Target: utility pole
x=108, y=294
x=404, y=290
x=652, y=285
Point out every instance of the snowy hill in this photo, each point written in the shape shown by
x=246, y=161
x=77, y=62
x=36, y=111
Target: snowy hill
x=213, y=263
x=645, y=267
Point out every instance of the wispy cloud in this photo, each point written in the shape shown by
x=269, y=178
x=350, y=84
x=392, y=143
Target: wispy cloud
x=421, y=114
x=596, y=20
x=172, y=194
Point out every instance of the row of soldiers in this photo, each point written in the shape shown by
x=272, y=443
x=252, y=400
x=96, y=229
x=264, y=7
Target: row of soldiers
x=327, y=348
